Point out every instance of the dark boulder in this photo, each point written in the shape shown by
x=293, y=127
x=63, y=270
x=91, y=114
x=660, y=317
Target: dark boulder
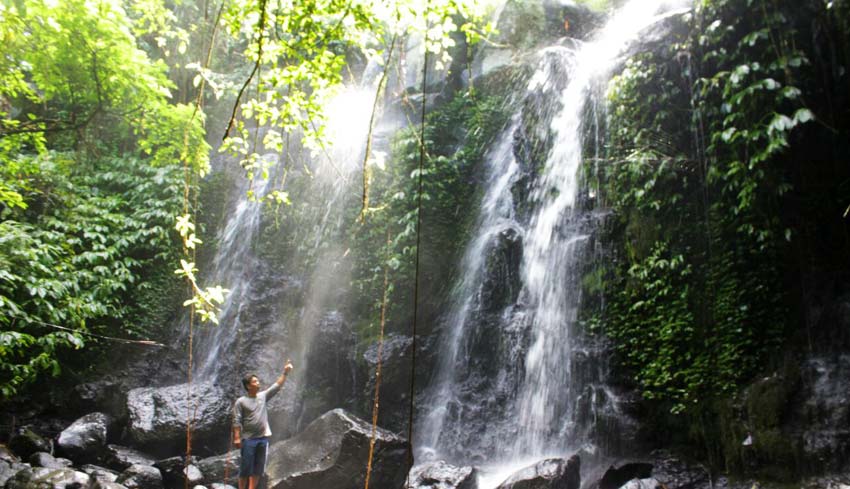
x=502, y=282
x=331, y=377
x=221, y=468
x=331, y=452
x=552, y=473
x=173, y=468
x=120, y=458
x=140, y=477
x=675, y=473
x=43, y=459
x=85, y=438
x=823, y=416
x=102, y=395
x=395, y=369
x=44, y=478
x=25, y=442
x=615, y=477
x=157, y=415
x=440, y=475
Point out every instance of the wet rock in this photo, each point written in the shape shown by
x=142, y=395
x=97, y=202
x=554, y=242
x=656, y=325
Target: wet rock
x=103, y=484
x=440, y=475
x=44, y=478
x=157, y=415
x=823, y=416
x=43, y=459
x=395, y=369
x=102, y=395
x=552, y=473
x=100, y=474
x=675, y=473
x=85, y=438
x=9, y=469
x=193, y=475
x=827, y=482
x=648, y=483
x=331, y=452
x=616, y=477
x=140, y=477
x=490, y=59
x=25, y=442
x=7, y=455
x=220, y=468
x=331, y=377
x=120, y=458
x=172, y=470
x=502, y=282
x=220, y=486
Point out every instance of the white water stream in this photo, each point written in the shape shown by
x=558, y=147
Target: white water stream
x=524, y=400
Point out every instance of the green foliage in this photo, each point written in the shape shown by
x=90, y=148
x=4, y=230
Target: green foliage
x=87, y=223
x=696, y=173
x=299, y=52
x=78, y=262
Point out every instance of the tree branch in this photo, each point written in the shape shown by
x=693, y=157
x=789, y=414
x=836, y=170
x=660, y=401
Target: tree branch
x=261, y=27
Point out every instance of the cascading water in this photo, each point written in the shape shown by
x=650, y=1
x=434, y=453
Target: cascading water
x=257, y=331
x=496, y=220
x=235, y=240
x=520, y=404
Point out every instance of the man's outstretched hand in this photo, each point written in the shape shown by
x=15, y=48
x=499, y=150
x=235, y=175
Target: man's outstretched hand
x=286, y=369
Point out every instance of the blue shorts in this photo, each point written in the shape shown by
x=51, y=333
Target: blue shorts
x=254, y=452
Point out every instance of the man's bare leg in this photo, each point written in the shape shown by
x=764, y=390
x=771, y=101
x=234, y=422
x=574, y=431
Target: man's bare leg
x=242, y=481
x=252, y=481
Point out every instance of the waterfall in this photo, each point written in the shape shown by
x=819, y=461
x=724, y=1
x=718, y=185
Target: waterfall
x=324, y=183
x=519, y=404
x=233, y=266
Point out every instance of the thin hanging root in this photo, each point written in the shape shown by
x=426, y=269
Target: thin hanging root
x=191, y=414
x=418, y=247
x=366, y=173
x=380, y=357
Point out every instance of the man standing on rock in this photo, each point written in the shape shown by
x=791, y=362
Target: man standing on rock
x=251, y=429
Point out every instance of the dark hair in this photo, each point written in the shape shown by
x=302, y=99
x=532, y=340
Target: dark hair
x=247, y=380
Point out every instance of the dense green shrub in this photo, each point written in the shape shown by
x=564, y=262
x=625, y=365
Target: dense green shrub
x=94, y=165
x=710, y=192
x=77, y=257
x=696, y=174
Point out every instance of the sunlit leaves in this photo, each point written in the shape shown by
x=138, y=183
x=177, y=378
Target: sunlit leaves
x=303, y=49
x=204, y=302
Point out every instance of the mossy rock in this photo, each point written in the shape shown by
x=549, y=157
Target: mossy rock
x=767, y=400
